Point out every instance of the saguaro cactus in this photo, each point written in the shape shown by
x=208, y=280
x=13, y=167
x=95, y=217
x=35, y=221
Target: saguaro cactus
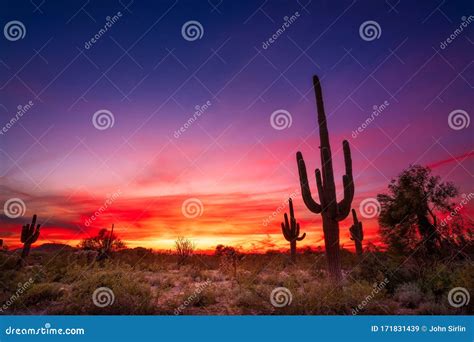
x=357, y=233
x=330, y=209
x=291, y=231
x=29, y=235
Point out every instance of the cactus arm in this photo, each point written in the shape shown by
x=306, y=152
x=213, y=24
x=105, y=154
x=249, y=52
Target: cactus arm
x=354, y=216
x=33, y=223
x=308, y=200
x=35, y=235
x=344, y=206
x=319, y=184
x=285, y=230
x=301, y=237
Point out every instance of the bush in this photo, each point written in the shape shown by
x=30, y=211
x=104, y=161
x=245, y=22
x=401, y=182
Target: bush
x=409, y=295
x=131, y=295
x=39, y=294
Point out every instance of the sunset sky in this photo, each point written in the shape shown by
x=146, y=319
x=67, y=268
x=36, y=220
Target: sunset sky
x=231, y=158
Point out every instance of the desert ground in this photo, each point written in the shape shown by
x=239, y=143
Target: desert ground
x=145, y=282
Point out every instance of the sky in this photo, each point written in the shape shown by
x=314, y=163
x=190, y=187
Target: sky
x=111, y=134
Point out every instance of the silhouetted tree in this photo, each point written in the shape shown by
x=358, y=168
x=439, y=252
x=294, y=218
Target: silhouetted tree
x=408, y=212
x=104, y=243
x=229, y=257
x=184, y=249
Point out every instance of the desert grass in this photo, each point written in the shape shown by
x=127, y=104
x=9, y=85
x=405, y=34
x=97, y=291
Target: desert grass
x=148, y=283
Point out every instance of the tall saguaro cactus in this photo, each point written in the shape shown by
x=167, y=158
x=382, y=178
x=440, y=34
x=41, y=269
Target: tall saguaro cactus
x=29, y=235
x=357, y=233
x=291, y=231
x=330, y=209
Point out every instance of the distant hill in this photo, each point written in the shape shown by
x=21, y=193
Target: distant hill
x=53, y=247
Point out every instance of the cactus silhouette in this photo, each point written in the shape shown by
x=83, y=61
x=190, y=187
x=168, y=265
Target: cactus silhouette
x=357, y=233
x=331, y=211
x=291, y=231
x=29, y=235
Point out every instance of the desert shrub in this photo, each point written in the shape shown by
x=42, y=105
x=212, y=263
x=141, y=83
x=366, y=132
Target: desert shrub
x=184, y=249
x=373, y=267
x=205, y=298
x=432, y=308
x=38, y=294
x=409, y=295
x=250, y=302
x=131, y=294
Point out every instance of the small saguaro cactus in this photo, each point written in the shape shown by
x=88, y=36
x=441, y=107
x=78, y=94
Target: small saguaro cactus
x=291, y=231
x=331, y=210
x=29, y=235
x=357, y=233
